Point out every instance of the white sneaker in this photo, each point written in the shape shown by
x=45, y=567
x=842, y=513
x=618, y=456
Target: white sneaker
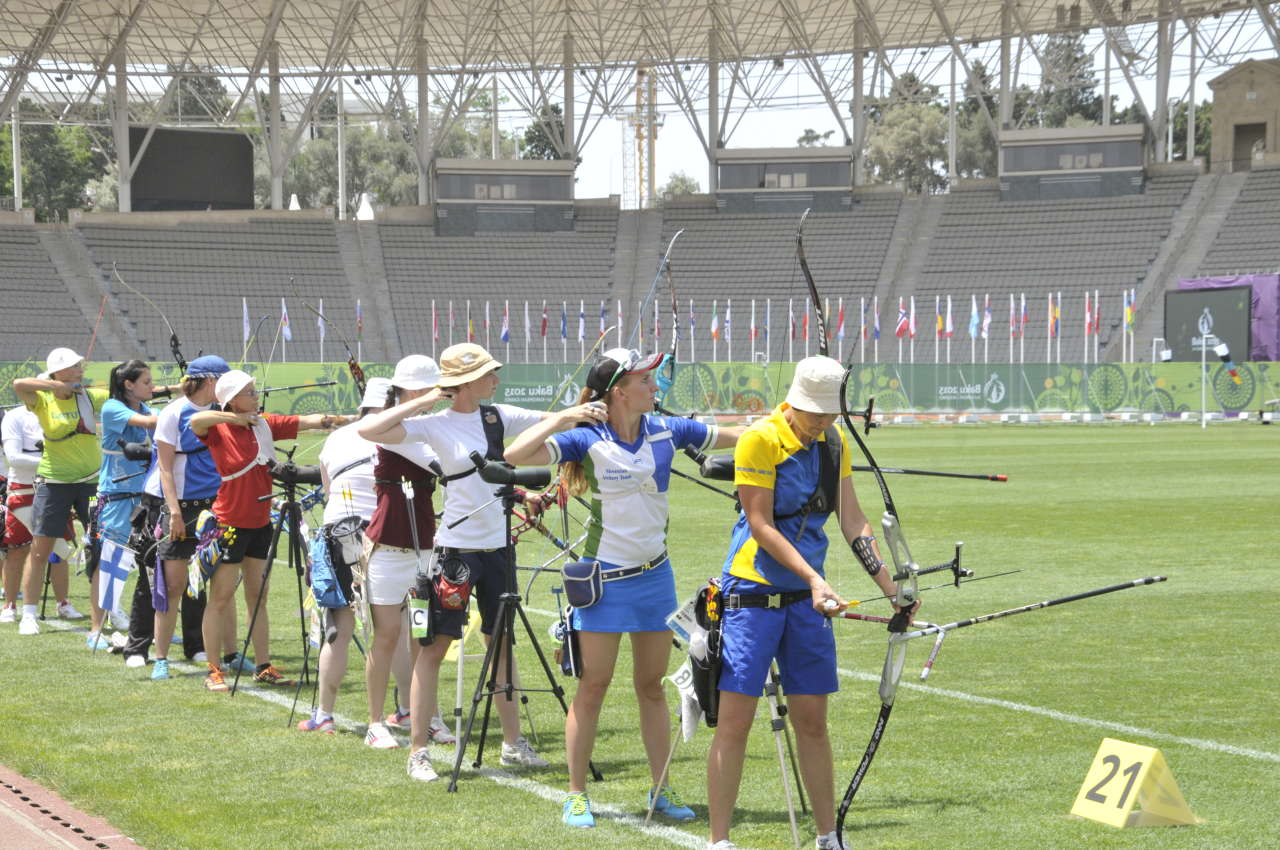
x=8, y=614
x=521, y=754
x=723, y=844
x=200, y=657
x=439, y=733
x=380, y=738
x=420, y=766
x=830, y=842
x=120, y=620
x=68, y=612
x=136, y=661
x=29, y=625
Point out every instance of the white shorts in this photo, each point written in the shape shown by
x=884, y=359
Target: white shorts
x=391, y=574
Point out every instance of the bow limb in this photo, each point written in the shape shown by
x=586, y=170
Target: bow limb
x=353, y=365
x=175, y=347
x=818, y=311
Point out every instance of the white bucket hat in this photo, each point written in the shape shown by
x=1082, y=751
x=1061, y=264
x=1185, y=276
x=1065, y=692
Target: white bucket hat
x=59, y=359
x=375, y=392
x=230, y=385
x=416, y=372
x=815, y=387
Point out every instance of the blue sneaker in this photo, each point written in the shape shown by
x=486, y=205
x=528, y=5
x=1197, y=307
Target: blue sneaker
x=241, y=663
x=161, y=669
x=669, y=804
x=95, y=640
x=577, y=811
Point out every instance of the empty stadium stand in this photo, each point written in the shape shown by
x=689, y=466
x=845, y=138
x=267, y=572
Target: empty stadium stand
x=39, y=312
x=1249, y=239
x=496, y=267
x=740, y=257
x=197, y=273
x=982, y=244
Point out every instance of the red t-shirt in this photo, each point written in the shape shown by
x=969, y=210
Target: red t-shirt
x=233, y=447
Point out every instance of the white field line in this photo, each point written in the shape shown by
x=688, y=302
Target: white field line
x=1079, y=720
x=1053, y=714
x=555, y=795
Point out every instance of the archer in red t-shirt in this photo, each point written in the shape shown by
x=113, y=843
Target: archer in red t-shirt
x=242, y=444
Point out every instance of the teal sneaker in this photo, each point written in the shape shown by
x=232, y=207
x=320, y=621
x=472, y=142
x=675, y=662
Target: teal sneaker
x=577, y=811
x=240, y=663
x=161, y=669
x=670, y=804
x=96, y=641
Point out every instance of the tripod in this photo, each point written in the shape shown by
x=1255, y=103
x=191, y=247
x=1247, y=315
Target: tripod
x=509, y=606
x=290, y=520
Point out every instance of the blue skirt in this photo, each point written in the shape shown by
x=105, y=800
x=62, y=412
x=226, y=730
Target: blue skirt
x=639, y=603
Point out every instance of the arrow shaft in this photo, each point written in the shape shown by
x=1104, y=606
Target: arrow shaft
x=900, y=471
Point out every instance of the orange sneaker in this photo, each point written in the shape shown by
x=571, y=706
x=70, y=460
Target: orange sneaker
x=214, y=681
x=269, y=675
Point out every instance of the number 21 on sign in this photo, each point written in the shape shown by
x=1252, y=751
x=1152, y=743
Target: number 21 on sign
x=1125, y=775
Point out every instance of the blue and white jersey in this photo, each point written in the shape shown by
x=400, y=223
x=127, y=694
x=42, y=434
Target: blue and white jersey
x=115, y=427
x=629, y=482
x=194, y=473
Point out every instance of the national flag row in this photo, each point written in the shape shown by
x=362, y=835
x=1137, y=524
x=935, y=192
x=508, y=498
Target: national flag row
x=719, y=324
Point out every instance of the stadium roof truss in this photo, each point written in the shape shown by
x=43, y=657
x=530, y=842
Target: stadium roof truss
x=109, y=62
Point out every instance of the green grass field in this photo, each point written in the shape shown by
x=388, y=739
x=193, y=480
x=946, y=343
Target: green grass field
x=990, y=754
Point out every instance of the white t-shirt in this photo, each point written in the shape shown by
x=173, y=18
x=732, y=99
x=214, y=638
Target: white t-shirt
x=453, y=436
x=21, y=429
x=194, y=472
x=342, y=448
x=629, y=482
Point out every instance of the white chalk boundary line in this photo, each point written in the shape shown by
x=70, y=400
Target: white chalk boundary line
x=1053, y=714
x=1079, y=720
x=556, y=795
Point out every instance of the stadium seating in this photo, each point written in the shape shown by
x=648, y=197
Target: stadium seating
x=1249, y=239
x=39, y=312
x=494, y=267
x=985, y=245
x=745, y=256
x=198, y=273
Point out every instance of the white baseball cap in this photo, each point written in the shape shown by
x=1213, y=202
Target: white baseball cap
x=375, y=393
x=416, y=372
x=230, y=385
x=815, y=387
x=59, y=359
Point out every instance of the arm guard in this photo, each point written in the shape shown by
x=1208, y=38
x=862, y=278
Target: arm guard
x=866, y=556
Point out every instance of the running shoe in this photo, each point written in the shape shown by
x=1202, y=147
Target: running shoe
x=380, y=738
x=420, y=766
x=8, y=613
x=398, y=719
x=238, y=663
x=670, y=804
x=120, y=619
x=722, y=844
x=200, y=657
x=118, y=642
x=95, y=640
x=29, y=625
x=161, y=669
x=830, y=842
x=135, y=661
x=439, y=733
x=271, y=676
x=577, y=810
x=68, y=612
x=521, y=754
x=214, y=681
x=310, y=724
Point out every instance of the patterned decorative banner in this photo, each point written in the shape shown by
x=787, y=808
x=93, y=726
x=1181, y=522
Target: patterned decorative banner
x=752, y=388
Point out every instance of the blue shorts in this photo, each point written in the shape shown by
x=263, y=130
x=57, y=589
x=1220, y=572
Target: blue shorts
x=639, y=603
x=115, y=519
x=798, y=636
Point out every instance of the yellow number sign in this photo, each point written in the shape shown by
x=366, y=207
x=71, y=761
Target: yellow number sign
x=1125, y=775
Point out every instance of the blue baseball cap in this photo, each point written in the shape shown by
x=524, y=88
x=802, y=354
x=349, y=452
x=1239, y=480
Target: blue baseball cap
x=207, y=366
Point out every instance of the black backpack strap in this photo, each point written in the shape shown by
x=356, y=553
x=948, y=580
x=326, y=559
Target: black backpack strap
x=491, y=421
x=826, y=492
